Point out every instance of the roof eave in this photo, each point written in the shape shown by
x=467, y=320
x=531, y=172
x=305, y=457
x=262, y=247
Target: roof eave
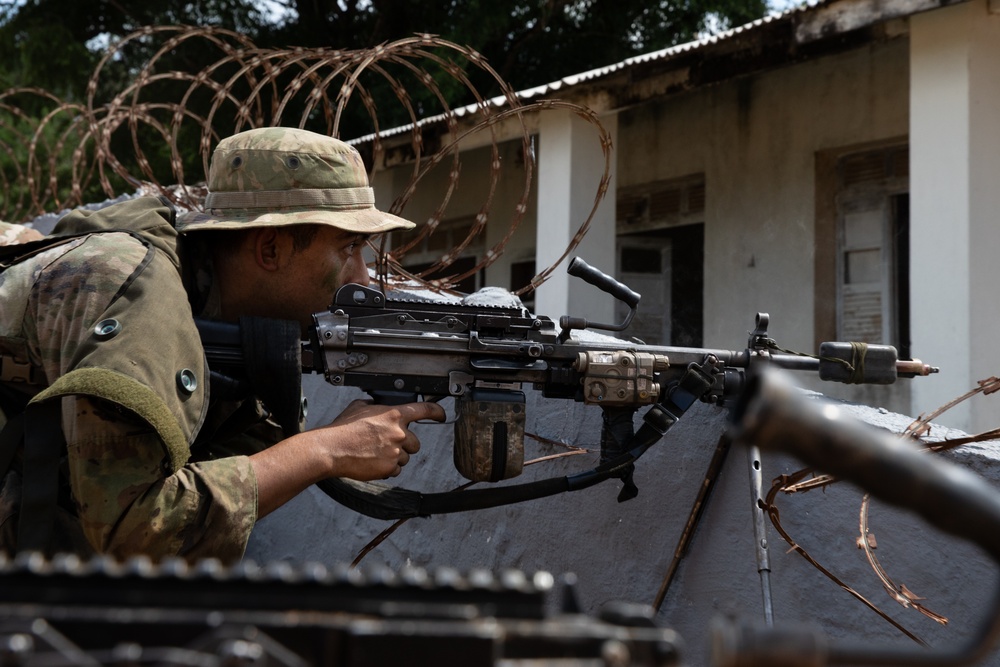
x=780, y=39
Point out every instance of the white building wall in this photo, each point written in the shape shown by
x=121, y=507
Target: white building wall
x=955, y=226
x=756, y=141
x=469, y=197
x=570, y=166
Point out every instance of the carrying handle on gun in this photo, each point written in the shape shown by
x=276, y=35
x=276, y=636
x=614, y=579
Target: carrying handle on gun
x=773, y=414
x=603, y=282
x=580, y=269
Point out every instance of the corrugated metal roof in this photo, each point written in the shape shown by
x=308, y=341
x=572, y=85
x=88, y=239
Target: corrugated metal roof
x=600, y=72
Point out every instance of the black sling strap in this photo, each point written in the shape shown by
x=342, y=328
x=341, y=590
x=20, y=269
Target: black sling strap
x=43, y=443
x=10, y=439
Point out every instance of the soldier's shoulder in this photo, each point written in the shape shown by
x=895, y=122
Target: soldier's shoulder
x=92, y=264
x=13, y=234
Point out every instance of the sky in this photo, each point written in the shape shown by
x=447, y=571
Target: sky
x=277, y=9
x=782, y=5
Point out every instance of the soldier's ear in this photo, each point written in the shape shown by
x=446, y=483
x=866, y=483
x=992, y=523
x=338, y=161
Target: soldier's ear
x=267, y=247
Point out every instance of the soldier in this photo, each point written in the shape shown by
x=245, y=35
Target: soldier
x=98, y=332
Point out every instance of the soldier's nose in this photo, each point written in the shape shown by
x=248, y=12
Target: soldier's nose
x=361, y=276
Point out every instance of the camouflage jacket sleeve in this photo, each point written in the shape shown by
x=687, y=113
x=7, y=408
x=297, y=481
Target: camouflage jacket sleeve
x=115, y=309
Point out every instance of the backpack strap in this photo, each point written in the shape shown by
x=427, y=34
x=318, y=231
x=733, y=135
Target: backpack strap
x=11, y=436
x=43, y=445
x=12, y=404
x=14, y=370
x=19, y=252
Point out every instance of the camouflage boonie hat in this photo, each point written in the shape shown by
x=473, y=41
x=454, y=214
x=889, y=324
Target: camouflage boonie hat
x=277, y=176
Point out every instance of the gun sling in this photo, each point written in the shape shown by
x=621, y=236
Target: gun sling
x=381, y=501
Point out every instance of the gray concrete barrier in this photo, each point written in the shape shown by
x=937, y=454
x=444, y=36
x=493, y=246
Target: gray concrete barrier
x=622, y=551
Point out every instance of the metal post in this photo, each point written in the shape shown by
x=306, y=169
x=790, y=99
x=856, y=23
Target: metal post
x=694, y=516
x=760, y=531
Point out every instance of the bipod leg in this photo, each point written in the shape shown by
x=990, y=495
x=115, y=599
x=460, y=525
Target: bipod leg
x=760, y=531
x=707, y=485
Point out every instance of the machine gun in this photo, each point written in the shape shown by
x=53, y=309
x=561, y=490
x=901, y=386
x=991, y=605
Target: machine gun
x=483, y=356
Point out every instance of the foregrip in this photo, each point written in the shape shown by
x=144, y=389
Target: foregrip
x=616, y=434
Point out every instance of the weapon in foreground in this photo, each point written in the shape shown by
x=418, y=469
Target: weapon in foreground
x=64, y=612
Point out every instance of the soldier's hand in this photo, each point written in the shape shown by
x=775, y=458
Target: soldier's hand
x=374, y=441
x=365, y=442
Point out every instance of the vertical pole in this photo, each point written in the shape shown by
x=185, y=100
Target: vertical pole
x=694, y=516
x=760, y=531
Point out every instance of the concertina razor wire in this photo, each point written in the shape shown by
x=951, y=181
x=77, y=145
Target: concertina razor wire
x=54, y=154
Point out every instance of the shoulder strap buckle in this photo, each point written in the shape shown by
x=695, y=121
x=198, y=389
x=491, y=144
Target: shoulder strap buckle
x=15, y=370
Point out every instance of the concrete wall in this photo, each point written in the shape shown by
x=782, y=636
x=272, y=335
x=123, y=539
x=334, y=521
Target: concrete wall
x=756, y=141
x=622, y=551
x=570, y=167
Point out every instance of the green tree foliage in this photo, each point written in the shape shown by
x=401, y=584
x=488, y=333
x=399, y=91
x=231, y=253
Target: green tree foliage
x=529, y=42
x=57, y=45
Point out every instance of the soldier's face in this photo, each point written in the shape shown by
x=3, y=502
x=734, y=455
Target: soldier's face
x=315, y=273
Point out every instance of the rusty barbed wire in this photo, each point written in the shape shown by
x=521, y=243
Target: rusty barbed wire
x=805, y=480
x=54, y=154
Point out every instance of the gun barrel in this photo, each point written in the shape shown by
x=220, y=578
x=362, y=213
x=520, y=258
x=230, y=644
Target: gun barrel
x=835, y=364
x=794, y=362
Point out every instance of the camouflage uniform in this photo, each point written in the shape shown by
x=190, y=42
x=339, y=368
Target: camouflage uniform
x=105, y=323
x=11, y=234
x=135, y=490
